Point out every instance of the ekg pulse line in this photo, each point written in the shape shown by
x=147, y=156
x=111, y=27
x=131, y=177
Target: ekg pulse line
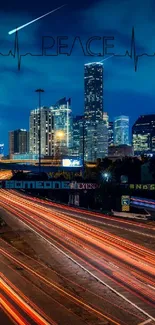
x=15, y=53
x=132, y=53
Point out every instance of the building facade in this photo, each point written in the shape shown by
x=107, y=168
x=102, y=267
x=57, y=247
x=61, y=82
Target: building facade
x=93, y=86
x=42, y=129
x=1, y=150
x=97, y=140
x=120, y=151
x=143, y=135
x=110, y=134
x=63, y=126
x=78, y=129
x=121, y=130
x=18, y=142
x=93, y=108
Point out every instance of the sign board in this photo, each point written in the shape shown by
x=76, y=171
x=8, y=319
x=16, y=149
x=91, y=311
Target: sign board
x=47, y=185
x=144, y=187
x=125, y=208
x=125, y=202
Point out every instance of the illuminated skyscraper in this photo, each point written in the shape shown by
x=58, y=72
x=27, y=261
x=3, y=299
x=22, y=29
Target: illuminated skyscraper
x=111, y=134
x=18, y=142
x=97, y=139
x=93, y=84
x=93, y=111
x=143, y=135
x=1, y=150
x=63, y=125
x=78, y=135
x=45, y=119
x=121, y=130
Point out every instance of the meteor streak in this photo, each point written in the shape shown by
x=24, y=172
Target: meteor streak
x=107, y=58
x=32, y=21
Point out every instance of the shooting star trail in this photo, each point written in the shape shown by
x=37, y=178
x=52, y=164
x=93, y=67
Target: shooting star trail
x=32, y=21
x=107, y=58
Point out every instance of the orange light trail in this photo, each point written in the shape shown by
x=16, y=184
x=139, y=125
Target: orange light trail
x=135, y=264
x=22, y=304
x=12, y=312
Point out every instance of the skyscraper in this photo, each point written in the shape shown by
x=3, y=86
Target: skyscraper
x=121, y=130
x=111, y=134
x=93, y=111
x=93, y=85
x=102, y=139
x=18, y=142
x=63, y=125
x=42, y=117
x=143, y=135
x=1, y=150
x=97, y=139
x=78, y=134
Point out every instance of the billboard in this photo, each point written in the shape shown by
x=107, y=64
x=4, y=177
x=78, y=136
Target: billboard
x=72, y=162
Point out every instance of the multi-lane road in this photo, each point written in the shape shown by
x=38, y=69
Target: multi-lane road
x=104, y=248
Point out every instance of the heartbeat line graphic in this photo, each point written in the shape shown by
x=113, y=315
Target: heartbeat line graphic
x=131, y=54
x=16, y=52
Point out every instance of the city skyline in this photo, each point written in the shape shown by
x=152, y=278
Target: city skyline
x=125, y=92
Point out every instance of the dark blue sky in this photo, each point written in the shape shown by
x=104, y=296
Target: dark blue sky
x=125, y=91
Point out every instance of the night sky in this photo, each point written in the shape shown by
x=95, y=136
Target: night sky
x=125, y=91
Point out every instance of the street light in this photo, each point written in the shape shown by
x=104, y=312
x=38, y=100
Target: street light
x=39, y=91
x=106, y=176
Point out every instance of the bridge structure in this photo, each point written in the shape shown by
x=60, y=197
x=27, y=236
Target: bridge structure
x=35, y=168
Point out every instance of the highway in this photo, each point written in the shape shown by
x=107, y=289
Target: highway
x=125, y=267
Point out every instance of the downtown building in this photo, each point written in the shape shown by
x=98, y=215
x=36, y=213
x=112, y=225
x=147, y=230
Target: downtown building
x=110, y=134
x=1, y=150
x=121, y=130
x=18, y=142
x=95, y=125
x=143, y=135
x=78, y=133
x=41, y=129
x=63, y=127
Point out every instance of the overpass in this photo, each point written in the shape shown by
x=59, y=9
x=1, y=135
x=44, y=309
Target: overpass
x=33, y=168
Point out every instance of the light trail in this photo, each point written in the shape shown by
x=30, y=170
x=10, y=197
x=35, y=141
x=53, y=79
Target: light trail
x=12, y=312
x=71, y=282
x=34, y=20
x=88, y=213
x=125, y=242
x=132, y=272
x=58, y=288
x=126, y=246
x=89, y=241
x=89, y=272
x=24, y=306
x=25, y=298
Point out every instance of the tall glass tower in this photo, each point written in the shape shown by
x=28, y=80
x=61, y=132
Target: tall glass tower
x=63, y=125
x=93, y=84
x=121, y=130
x=42, y=117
